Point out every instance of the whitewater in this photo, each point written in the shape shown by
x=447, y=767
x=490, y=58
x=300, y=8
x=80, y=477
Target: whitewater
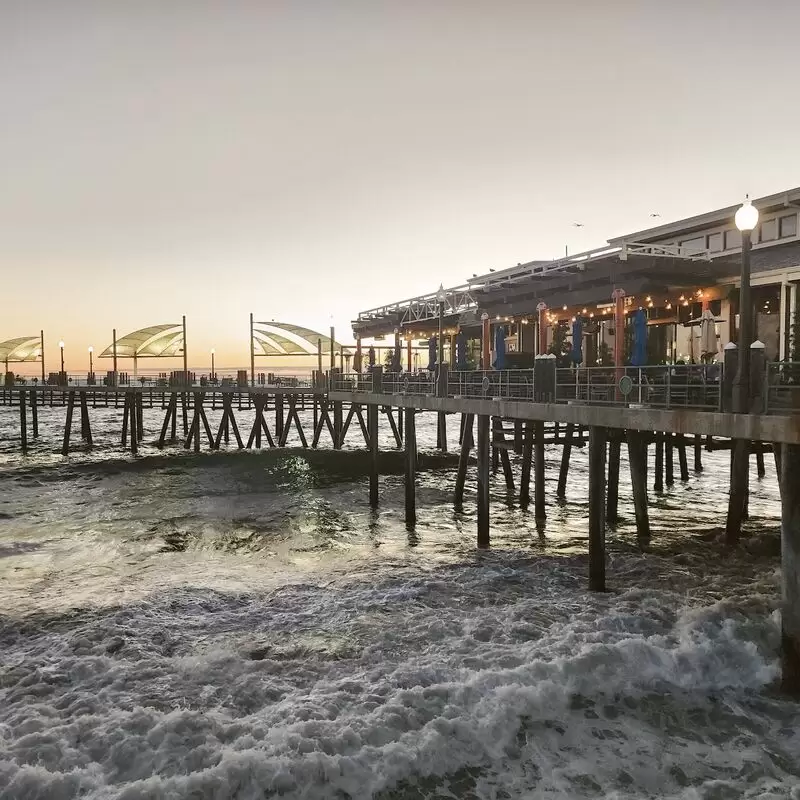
x=244, y=626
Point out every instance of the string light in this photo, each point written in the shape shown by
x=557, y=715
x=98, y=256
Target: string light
x=669, y=306
x=648, y=298
x=564, y=308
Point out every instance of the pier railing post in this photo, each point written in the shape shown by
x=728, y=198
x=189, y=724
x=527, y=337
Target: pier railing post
x=730, y=364
x=758, y=371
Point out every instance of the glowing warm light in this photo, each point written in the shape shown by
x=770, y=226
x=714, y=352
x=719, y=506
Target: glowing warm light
x=648, y=298
x=564, y=308
x=584, y=311
x=699, y=292
x=213, y=350
x=747, y=216
x=650, y=304
x=681, y=298
x=685, y=303
x=591, y=316
x=91, y=349
x=669, y=306
x=61, y=345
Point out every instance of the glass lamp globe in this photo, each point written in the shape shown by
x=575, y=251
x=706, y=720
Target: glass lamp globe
x=747, y=216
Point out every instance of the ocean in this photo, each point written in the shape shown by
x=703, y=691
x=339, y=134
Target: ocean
x=240, y=626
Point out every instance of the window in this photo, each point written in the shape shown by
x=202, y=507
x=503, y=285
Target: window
x=696, y=245
x=715, y=242
x=788, y=226
x=733, y=239
x=769, y=230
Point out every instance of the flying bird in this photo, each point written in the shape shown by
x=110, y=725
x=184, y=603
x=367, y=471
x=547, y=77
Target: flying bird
x=577, y=224
x=655, y=215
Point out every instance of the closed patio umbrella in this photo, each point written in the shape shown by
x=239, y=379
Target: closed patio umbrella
x=371, y=356
x=432, y=348
x=576, y=353
x=639, y=350
x=708, y=334
x=461, y=351
x=500, y=348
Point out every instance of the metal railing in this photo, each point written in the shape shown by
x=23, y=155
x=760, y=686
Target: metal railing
x=782, y=388
x=696, y=386
x=351, y=381
x=514, y=384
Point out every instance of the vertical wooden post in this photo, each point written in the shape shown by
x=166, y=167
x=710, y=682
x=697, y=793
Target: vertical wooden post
x=737, y=499
x=411, y=467
x=637, y=459
x=761, y=470
x=538, y=464
x=612, y=488
x=125, y=421
x=670, y=459
x=698, y=453
x=597, y=511
x=441, y=431
x=279, y=420
x=23, y=422
x=527, y=464
x=561, y=491
x=35, y=413
x=682, y=462
x=463, y=459
x=372, y=424
x=790, y=567
x=68, y=425
x=86, y=428
x=337, y=424
x=518, y=437
x=139, y=415
x=134, y=422
x=483, y=480
x=658, y=484
x=185, y=411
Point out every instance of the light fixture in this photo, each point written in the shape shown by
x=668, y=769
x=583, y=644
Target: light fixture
x=564, y=308
x=584, y=311
x=648, y=298
x=699, y=292
x=591, y=316
x=669, y=306
x=441, y=295
x=650, y=304
x=746, y=217
x=681, y=298
x=61, y=345
x=91, y=349
x=213, y=351
x=685, y=303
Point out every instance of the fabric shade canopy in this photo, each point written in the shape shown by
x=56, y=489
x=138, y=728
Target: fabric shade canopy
x=23, y=348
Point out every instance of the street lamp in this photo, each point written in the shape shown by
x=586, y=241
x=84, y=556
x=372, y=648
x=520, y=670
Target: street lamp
x=91, y=365
x=213, y=375
x=746, y=219
x=441, y=297
x=61, y=347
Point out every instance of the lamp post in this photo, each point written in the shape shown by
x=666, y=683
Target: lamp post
x=746, y=219
x=441, y=297
x=63, y=375
x=91, y=363
x=213, y=374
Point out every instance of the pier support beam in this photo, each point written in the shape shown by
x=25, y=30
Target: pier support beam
x=527, y=464
x=637, y=459
x=539, y=511
x=680, y=441
x=698, y=453
x=23, y=422
x=86, y=426
x=411, y=466
x=561, y=491
x=790, y=568
x=597, y=510
x=35, y=413
x=670, y=459
x=467, y=426
x=68, y=424
x=372, y=426
x=737, y=499
x=658, y=483
x=483, y=480
x=612, y=503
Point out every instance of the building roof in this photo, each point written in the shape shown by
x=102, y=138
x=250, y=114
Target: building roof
x=156, y=341
x=23, y=348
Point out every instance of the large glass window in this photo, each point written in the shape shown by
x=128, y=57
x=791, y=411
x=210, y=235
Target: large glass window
x=769, y=230
x=715, y=242
x=733, y=239
x=788, y=226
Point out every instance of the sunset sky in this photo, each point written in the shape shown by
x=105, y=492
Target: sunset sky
x=308, y=159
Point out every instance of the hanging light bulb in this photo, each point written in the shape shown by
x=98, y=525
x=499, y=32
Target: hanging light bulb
x=669, y=306
x=564, y=308
x=650, y=304
x=648, y=298
x=681, y=298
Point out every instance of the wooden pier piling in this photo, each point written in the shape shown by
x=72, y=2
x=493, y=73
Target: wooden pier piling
x=411, y=466
x=467, y=426
x=23, y=422
x=35, y=413
x=790, y=568
x=561, y=491
x=539, y=509
x=483, y=480
x=612, y=487
x=372, y=429
x=68, y=423
x=527, y=465
x=597, y=511
x=658, y=483
x=637, y=460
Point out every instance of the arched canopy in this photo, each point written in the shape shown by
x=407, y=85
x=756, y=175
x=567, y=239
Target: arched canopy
x=282, y=339
x=24, y=348
x=157, y=341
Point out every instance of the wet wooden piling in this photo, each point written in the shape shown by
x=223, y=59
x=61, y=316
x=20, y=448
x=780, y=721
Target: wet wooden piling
x=68, y=423
x=372, y=429
x=35, y=413
x=527, y=465
x=680, y=442
x=597, y=511
x=612, y=486
x=467, y=427
x=23, y=422
x=790, y=568
x=410, y=466
x=658, y=482
x=563, y=472
x=539, y=509
x=482, y=447
x=637, y=460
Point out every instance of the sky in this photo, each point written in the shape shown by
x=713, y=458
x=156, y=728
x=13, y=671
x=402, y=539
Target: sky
x=307, y=160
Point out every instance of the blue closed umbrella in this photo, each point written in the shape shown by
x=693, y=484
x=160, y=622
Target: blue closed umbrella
x=500, y=347
x=461, y=351
x=577, y=341
x=639, y=350
x=433, y=346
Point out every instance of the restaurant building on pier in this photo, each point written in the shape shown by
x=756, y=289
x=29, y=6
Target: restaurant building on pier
x=673, y=274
